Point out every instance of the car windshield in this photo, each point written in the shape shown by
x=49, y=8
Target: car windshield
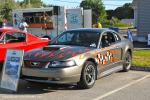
x=77, y=38
x=1, y=33
x=0, y=37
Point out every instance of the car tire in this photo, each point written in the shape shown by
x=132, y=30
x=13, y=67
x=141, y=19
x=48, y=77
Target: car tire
x=128, y=62
x=88, y=76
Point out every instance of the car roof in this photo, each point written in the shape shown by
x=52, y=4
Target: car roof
x=5, y=29
x=98, y=30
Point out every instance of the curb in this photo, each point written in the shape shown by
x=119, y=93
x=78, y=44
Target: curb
x=136, y=68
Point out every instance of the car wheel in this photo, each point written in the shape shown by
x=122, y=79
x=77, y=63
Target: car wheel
x=88, y=76
x=127, y=63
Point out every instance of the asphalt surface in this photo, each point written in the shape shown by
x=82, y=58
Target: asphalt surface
x=133, y=85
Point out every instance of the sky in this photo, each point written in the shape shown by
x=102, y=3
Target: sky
x=109, y=4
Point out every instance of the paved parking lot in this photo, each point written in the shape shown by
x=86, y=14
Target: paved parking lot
x=133, y=85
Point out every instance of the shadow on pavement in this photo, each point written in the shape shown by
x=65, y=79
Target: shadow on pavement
x=27, y=88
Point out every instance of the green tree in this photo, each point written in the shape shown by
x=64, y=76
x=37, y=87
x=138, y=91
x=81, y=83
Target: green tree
x=98, y=9
x=6, y=8
x=110, y=14
x=124, y=12
x=31, y=3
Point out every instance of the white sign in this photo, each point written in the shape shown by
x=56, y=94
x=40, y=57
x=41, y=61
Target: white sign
x=148, y=39
x=74, y=18
x=11, y=69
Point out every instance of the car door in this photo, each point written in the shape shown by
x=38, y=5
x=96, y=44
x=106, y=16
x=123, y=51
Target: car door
x=109, y=52
x=12, y=40
x=117, y=45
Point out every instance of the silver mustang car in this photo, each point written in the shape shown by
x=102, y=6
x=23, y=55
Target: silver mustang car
x=79, y=56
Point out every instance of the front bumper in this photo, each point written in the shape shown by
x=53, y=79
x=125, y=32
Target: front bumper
x=52, y=75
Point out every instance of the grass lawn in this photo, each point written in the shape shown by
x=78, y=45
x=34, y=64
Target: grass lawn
x=141, y=58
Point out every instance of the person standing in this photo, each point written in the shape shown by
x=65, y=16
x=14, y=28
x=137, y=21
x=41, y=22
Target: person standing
x=99, y=25
x=23, y=25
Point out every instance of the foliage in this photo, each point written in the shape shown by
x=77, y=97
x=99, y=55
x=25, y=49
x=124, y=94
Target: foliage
x=1, y=18
x=31, y=3
x=98, y=9
x=114, y=22
x=124, y=12
x=110, y=14
x=6, y=8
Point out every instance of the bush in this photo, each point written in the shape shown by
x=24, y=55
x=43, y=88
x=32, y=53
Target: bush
x=114, y=22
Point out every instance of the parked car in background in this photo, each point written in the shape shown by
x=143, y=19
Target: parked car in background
x=79, y=56
x=11, y=38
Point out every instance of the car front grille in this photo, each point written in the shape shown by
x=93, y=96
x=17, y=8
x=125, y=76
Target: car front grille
x=35, y=64
x=35, y=78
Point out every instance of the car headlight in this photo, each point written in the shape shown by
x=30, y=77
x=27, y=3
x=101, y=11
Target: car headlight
x=68, y=63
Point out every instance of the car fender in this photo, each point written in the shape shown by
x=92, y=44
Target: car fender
x=128, y=48
x=82, y=58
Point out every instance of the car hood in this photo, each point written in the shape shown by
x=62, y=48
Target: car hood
x=56, y=52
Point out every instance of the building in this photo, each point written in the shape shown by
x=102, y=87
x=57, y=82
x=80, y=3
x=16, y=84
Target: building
x=51, y=21
x=142, y=19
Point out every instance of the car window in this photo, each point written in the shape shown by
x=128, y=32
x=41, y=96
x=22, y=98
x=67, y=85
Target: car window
x=20, y=36
x=9, y=36
x=66, y=37
x=107, y=39
x=1, y=33
x=117, y=37
x=78, y=38
x=15, y=37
